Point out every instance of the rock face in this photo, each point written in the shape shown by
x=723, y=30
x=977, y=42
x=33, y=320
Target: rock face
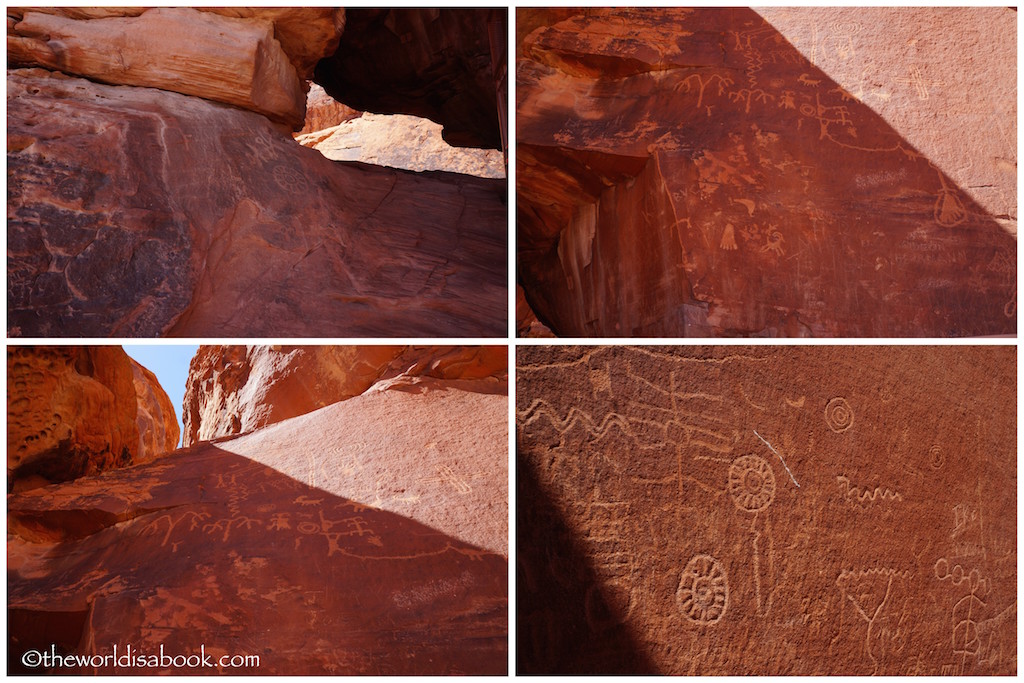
x=402, y=141
x=323, y=111
x=225, y=59
x=76, y=411
x=368, y=537
x=527, y=324
x=236, y=389
x=155, y=418
x=691, y=173
x=432, y=63
x=138, y=212
x=766, y=510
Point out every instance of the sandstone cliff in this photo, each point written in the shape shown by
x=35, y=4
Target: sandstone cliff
x=169, y=200
x=692, y=173
x=767, y=510
x=75, y=411
x=366, y=537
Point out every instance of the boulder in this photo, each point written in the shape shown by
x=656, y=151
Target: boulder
x=692, y=173
x=139, y=212
x=434, y=63
x=155, y=417
x=227, y=60
x=367, y=537
x=768, y=510
x=74, y=411
x=237, y=389
x=403, y=141
x=306, y=34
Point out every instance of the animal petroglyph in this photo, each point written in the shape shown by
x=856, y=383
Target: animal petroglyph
x=703, y=593
x=838, y=415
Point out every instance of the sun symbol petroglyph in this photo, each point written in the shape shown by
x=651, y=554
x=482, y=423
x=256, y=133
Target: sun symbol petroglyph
x=751, y=483
x=289, y=179
x=703, y=593
x=838, y=415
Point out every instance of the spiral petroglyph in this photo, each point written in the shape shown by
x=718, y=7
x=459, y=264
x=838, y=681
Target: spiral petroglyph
x=838, y=415
x=703, y=593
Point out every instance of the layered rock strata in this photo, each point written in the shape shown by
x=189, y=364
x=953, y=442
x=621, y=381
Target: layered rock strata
x=76, y=411
x=367, y=537
x=139, y=212
x=236, y=389
x=438, y=66
x=766, y=511
x=691, y=173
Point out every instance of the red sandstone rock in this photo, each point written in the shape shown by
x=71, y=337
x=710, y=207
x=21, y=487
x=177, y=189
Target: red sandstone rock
x=527, y=324
x=226, y=60
x=402, y=141
x=368, y=537
x=432, y=63
x=306, y=34
x=690, y=173
x=766, y=510
x=137, y=212
x=75, y=411
x=157, y=423
x=323, y=111
x=236, y=389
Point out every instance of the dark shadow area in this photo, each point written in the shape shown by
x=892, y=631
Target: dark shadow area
x=565, y=623
x=772, y=202
x=207, y=549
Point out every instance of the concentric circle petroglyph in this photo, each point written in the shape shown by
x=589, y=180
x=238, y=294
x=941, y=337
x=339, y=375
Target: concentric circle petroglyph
x=751, y=483
x=838, y=414
x=703, y=593
x=935, y=457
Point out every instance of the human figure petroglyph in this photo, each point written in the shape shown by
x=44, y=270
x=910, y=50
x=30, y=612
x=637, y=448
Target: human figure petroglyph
x=966, y=640
x=195, y=518
x=863, y=589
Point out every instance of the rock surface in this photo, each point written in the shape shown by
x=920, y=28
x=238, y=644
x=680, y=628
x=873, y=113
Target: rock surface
x=766, y=510
x=227, y=60
x=432, y=63
x=368, y=537
x=155, y=418
x=237, y=389
x=138, y=212
x=306, y=34
x=402, y=141
x=527, y=324
x=76, y=411
x=691, y=173
x=323, y=111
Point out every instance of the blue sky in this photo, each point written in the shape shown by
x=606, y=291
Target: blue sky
x=170, y=365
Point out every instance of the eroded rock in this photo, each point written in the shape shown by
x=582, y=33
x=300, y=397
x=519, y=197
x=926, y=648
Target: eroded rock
x=766, y=510
x=77, y=411
x=236, y=389
x=138, y=212
x=691, y=173
x=368, y=537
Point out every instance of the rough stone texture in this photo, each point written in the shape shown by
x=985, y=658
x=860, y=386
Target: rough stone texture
x=236, y=389
x=228, y=60
x=155, y=418
x=323, y=111
x=306, y=34
x=138, y=212
x=691, y=173
x=369, y=537
x=432, y=63
x=403, y=141
x=71, y=411
x=766, y=510
x=527, y=324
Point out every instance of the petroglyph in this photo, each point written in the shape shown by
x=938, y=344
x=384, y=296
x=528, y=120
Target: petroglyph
x=703, y=593
x=862, y=496
x=838, y=415
x=751, y=483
